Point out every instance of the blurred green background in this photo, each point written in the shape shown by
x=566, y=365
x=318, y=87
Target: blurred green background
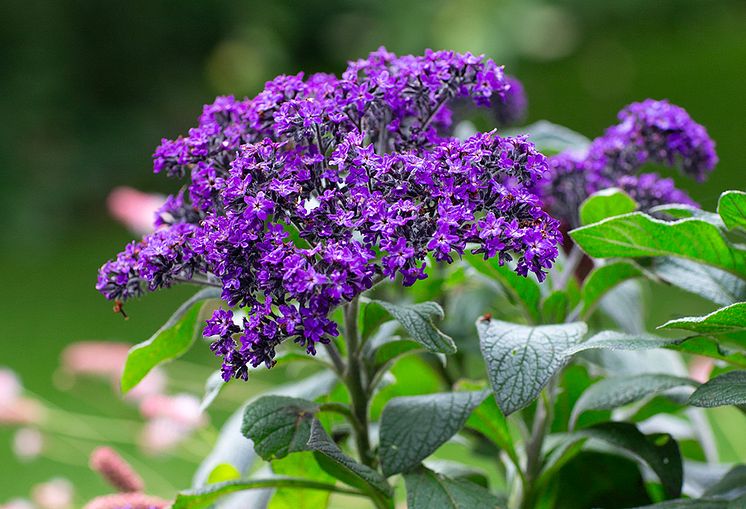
x=87, y=89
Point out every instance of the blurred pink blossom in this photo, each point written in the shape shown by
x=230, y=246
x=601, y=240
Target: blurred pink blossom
x=54, y=494
x=106, y=360
x=700, y=368
x=160, y=435
x=14, y=408
x=18, y=503
x=182, y=409
x=133, y=208
x=128, y=501
x=115, y=470
x=10, y=386
x=28, y=444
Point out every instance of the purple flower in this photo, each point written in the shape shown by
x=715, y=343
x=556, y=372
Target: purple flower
x=649, y=132
x=303, y=197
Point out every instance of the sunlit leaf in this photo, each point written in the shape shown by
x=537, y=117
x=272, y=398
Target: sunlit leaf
x=728, y=319
x=732, y=208
x=606, y=203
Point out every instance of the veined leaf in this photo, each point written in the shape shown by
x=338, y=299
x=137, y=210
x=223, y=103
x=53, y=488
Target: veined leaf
x=639, y=235
x=417, y=320
x=606, y=203
x=300, y=464
x=604, y=278
x=428, y=490
x=718, y=286
x=413, y=427
x=170, y=342
x=728, y=319
x=338, y=464
x=611, y=393
x=732, y=208
x=613, y=340
x=726, y=389
x=659, y=451
x=278, y=425
x=521, y=360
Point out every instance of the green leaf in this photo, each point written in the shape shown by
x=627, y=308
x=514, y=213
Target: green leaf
x=732, y=208
x=639, y=235
x=613, y=340
x=417, y=320
x=413, y=427
x=223, y=472
x=732, y=485
x=170, y=342
x=338, y=464
x=205, y=497
x=521, y=359
x=278, y=425
x=611, y=393
x=604, y=278
x=523, y=291
x=551, y=138
x=709, y=347
x=388, y=352
x=606, y=203
x=728, y=319
x=726, y=389
x=373, y=316
x=213, y=385
x=428, y=490
x=713, y=284
x=490, y=421
x=300, y=464
x=688, y=503
x=683, y=211
x=660, y=451
x=554, y=308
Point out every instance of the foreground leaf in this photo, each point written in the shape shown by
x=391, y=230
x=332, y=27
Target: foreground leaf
x=606, y=203
x=205, y=497
x=612, y=393
x=718, y=286
x=413, y=427
x=428, y=490
x=613, y=340
x=727, y=389
x=170, y=342
x=604, y=278
x=278, y=425
x=639, y=235
x=659, y=451
x=728, y=319
x=732, y=208
x=521, y=360
x=417, y=320
x=338, y=464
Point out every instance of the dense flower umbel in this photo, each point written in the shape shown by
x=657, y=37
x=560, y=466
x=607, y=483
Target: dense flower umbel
x=303, y=197
x=649, y=132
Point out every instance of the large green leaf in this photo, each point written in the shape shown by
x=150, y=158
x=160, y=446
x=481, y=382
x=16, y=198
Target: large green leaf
x=613, y=340
x=732, y=485
x=604, y=278
x=611, y=393
x=413, y=427
x=278, y=425
x=732, y=208
x=338, y=464
x=429, y=490
x=300, y=464
x=170, y=342
x=417, y=320
x=718, y=286
x=523, y=291
x=521, y=359
x=726, y=389
x=206, y=496
x=728, y=319
x=659, y=451
x=639, y=235
x=606, y=203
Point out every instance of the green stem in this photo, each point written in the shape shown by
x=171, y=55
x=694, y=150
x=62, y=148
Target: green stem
x=355, y=379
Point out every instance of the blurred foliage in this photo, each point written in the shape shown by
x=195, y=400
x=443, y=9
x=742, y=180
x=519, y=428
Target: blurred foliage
x=87, y=90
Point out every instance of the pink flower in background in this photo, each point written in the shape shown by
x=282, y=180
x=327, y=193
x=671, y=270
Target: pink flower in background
x=112, y=467
x=54, y=494
x=28, y=444
x=127, y=501
x=133, y=208
x=14, y=408
x=18, y=503
x=701, y=368
x=106, y=360
x=171, y=419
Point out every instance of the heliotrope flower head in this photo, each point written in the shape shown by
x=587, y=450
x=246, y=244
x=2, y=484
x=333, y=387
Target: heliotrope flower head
x=303, y=197
x=648, y=132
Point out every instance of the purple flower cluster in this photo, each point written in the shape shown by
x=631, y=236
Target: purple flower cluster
x=648, y=132
x=303, y=197
x=513, y=108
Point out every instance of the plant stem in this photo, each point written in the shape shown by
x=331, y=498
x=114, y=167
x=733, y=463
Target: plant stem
x=541, y=425
x=355, y=379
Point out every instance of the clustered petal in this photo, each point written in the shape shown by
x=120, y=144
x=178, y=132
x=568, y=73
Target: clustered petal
x=303, y=197
x=648, y=132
